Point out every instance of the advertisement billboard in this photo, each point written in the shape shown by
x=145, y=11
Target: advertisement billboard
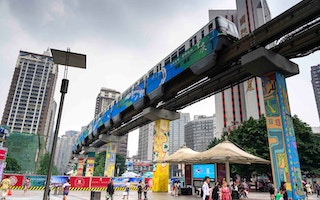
x=97, y=182
x=203, y=170
x=79, y=181
x=36, y=180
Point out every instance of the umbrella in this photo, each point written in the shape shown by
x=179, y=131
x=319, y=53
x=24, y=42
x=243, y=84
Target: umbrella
x=182, y=155
x=147, y=175
x=227, y=152
x=130, y=175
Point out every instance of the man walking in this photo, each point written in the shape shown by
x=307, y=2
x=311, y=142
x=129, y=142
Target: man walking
x=318, y=189
x=206, y=189
x=110, y=190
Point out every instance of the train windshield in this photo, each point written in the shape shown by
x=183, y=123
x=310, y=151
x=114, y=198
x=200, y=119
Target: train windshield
x=227, y=27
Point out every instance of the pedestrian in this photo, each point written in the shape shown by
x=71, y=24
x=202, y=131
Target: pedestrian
x=225, y=192
x=110, y=190
x=308, y=187
x=66, y=188
x=318, y=189
x=126, y=192
x=176, y=188
x=279, y=196
x=145, y=190
x=5, y=183
x=271, y=191
x=140, y=190
x=179, y=187
x=206, y=189
x=215, y=191
x=26, y=185
x=284, y=190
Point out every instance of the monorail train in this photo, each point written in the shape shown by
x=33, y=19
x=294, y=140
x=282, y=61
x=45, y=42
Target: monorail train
x=198, y=54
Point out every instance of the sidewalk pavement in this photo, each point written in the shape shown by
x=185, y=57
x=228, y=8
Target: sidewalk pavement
x=85, y=195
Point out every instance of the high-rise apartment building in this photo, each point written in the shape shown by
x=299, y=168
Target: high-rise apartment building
x=30, y=107
x=64, y=150
x=200, y=131
x=145, y=148
x=315, y=79
x=103, y=100
x=244, y=100
x=176, y=138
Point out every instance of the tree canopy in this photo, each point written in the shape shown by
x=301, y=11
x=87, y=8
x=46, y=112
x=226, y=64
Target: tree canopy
x=12, y=166
x=99, y=164
x=252, y=137
x=121, y=162
x=44, y=166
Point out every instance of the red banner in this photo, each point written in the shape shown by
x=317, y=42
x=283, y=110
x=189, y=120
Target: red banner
x=15, y=179
x=3, y=153
x=79, y=181
x=100, y=182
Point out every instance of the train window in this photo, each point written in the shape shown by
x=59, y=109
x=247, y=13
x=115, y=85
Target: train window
x=150, y=73
x=167, y=61
x=202, y=34
x=190, y=43
x=210, y=27
x=195, y=39
x=159, y=68
x=181, y=50
x=174, y=56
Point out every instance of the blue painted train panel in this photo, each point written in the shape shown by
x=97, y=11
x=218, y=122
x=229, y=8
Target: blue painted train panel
x=136, y=94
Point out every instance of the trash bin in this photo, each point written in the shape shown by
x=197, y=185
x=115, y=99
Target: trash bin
x=95, y=195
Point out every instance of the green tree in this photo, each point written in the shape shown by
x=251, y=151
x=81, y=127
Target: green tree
x=308, y=147
x=214, y=142
x=99, y=164
x=12, y=165
x=252, y=137
x=44, y=166
x=121, y=163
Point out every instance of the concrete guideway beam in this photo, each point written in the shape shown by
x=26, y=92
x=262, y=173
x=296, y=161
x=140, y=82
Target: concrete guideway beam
x=110, y=138
x=91, y=149
x=261, y=61
x=154, y=114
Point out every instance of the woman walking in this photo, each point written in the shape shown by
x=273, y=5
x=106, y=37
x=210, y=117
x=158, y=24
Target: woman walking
x=225, y=192
x=66, y=188
x=140, y=190
x=26, y=185
x=126, y=192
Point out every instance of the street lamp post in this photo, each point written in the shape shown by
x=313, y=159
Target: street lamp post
x=65, y=58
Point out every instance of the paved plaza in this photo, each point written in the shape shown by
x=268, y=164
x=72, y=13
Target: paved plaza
x=85, y=195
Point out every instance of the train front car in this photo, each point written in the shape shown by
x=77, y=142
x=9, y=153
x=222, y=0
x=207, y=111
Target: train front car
x=227, y=33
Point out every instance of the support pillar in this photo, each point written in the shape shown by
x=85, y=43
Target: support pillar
x=81, y=162
x=160, y=151
x=281, y=136
x=162, y=119
x=90, y=164
x=273, y=69
x=110, y=159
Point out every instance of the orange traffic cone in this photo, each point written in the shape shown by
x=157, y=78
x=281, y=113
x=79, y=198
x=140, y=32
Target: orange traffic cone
x=9, y=193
